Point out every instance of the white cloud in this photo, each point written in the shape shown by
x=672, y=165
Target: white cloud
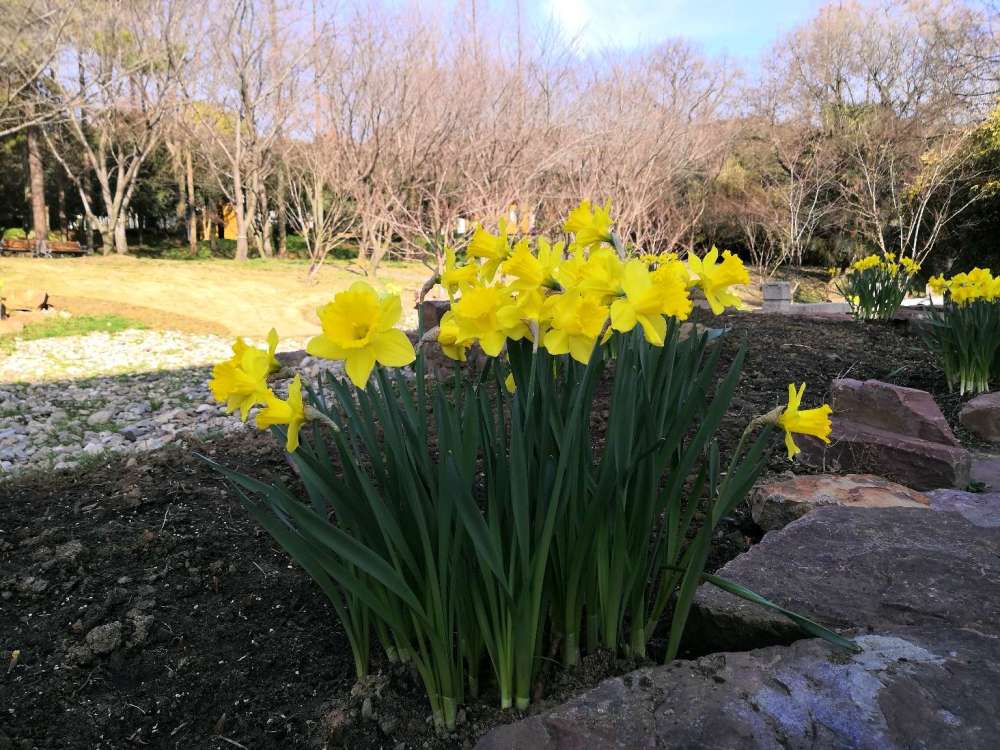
x=624, y=23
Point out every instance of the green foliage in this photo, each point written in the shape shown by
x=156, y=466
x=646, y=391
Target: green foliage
x=169, y=248
x=455, y=520
x=76, y=325
x=965, y=340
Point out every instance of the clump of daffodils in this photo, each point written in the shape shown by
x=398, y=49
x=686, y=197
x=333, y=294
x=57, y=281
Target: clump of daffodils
x=875, y=286
x=477, y=523
x=978, y=285
x=964, y=333
x=567, y=298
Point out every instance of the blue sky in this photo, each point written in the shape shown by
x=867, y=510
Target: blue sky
x=740, y=28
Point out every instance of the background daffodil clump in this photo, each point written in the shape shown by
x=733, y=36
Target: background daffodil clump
x=875, y=286
x=964, y=333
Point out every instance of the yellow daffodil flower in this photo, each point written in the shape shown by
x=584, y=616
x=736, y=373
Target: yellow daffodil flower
x=241, y=381
x=910, y=266
x=589, y=226
x=601, y=274
x=454, y=276
x=577, y=320
x=715, y=279
x=937, y=284
x=532, y=270
x=643, y=304
x=509, y=384
x=526, y=270
x=478, y=316
x=815, y=422
x=492, y=248
x=448, y=338
x=871, y=261
x=289, y=412
x=358, y=328
x=673, y=280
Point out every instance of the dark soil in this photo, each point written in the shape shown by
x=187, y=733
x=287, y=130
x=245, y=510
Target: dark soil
x=223, y=642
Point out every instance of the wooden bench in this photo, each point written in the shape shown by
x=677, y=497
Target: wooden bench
x=65, y=248
x=52, y=247
x=15, y=246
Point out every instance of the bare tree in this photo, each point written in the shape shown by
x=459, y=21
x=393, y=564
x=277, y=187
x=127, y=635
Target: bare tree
x=882, y=78
x=34, y=32
x=251, y=62
x=127, y=72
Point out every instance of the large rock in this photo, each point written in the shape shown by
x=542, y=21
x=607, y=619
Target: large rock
x=916, y=463
x=979, y=508
x=776, y=504
x=891, y=408
x=909, y=688
x=891, y=431
x=874, y=568
x=981, y=416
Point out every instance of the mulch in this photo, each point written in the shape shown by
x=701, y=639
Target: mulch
x=224, y=643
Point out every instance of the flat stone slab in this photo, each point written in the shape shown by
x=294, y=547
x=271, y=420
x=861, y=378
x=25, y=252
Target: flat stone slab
x=986, y=470
x=909, y=688
x=979, y=508
x=775, y=504
x=918, y=463
x=871, y=568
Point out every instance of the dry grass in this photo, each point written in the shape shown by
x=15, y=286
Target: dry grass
x=217, y=296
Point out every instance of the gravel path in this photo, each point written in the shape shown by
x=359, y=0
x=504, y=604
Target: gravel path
x=67, y=401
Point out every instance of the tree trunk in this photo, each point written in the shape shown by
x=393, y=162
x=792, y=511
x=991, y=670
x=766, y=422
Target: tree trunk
x=182, y=208
x=121, y=242
x=63, y=229
x=88, y=225
x=266, y=227
x=249, y=217
x=211, y=228
x=319, y=221
x=36, y=183
x=192, y=216
x=282, y=212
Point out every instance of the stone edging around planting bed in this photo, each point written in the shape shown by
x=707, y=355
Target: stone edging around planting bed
x=919, y=588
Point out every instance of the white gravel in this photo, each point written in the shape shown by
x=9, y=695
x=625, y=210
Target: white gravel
x=65, y=401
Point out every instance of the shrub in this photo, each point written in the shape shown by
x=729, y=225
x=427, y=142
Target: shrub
x=476, y=520
x=964, y=333
x=876, y=286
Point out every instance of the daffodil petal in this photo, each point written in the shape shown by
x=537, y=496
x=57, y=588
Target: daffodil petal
x=321, y=346
x=359, y=364
x=393, y=349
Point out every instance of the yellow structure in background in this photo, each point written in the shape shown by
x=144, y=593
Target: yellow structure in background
x=228, y=222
